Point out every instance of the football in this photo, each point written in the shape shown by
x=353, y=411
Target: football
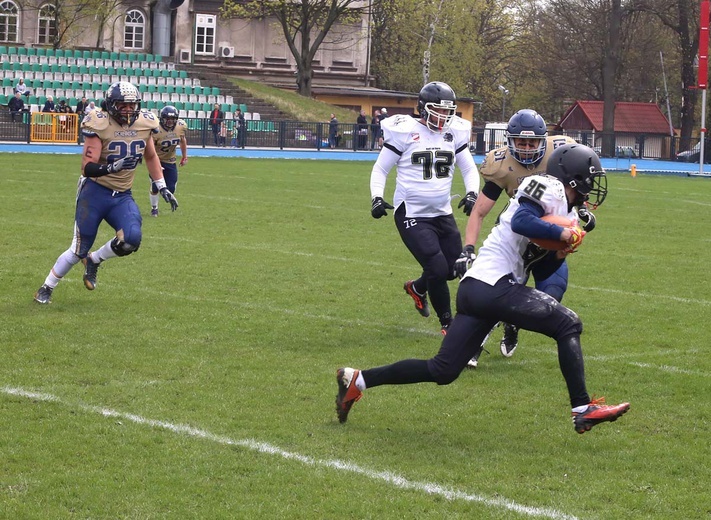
x=555, y=245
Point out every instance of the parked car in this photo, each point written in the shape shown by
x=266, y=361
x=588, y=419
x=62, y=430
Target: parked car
x=693, y=154
x=620, y=151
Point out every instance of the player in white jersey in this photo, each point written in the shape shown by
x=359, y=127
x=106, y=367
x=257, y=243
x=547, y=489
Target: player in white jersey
x=491, y=291
x=526, y=153
x=171, y=133
x=116, y=139
x=425, y=151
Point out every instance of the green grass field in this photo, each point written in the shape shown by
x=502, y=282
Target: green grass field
x=197, y=380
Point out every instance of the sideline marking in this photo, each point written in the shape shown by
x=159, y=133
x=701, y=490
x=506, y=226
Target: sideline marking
x=262, y=447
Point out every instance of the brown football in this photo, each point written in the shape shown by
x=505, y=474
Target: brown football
x=553, y=245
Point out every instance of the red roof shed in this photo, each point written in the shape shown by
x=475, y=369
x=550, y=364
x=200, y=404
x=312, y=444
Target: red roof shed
x=633, y=117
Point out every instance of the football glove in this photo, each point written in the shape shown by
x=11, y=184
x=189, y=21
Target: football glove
x=127, y=163
x=465, y=261
x=379, y=207
x=169, y=198
x=576, y=238
x=468, y=202
x=587, y=219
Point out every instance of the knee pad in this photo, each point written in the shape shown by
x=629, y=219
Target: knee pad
x=123, y=247
x=556, y=284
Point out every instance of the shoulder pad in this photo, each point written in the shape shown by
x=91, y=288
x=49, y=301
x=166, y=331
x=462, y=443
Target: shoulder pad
x=544, y=190
x=492, y=162
x=96, y=120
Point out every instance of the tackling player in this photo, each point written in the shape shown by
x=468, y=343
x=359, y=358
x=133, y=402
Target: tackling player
x=503, y=170
x=116, y=139
x=425, y=151
x=171, y=133
x=492, y=290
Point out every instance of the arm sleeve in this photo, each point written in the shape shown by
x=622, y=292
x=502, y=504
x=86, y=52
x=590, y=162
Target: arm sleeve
x=492, y=190
x=527, y=222
x=470, y=173
x=387, y=159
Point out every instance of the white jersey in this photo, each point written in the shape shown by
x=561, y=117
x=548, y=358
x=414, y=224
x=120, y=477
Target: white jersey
x=425, y=163
x=502, y=251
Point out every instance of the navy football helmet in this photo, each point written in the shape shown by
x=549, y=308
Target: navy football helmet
x=579, y=167
x=437, y=105
x=527, y=124
x=169, y=117
x=122, y=92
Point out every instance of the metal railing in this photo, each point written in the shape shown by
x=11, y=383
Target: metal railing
x=64, y=128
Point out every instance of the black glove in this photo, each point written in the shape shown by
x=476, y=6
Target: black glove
x=169, y=198
x=587, y=219
x=379, y=207
x=468, y=202
x=465, y=261
x=127, y=163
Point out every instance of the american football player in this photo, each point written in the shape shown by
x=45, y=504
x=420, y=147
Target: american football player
x=492, y=290
x=425, y=150
x=172, y=131
x=117, y=138
x=526, y=153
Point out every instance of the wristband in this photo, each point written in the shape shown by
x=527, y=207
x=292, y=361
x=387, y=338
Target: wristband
x=93, y=169
x=160, y=184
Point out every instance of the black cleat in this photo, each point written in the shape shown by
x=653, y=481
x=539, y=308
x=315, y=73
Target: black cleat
x=510, y=340
x=596, y=413
x=348, y=392
x=44, y=294
x=421, y=304
x=90, y=270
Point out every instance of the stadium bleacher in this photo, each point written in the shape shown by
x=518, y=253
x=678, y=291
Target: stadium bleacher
x=73, y=74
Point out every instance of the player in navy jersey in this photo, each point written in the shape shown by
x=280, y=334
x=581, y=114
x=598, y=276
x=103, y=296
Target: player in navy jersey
x=492, y=290
x=116, y=139
x=171, y=133
x=424, y=151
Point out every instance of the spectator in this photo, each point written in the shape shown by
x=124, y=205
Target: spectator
x=90, y=107
x=383, y=115
x=240, y=129
x=63, y=108
x=374, y=129
x=16, y=106
x=216, y=117
x=22, y=88
x=81, y=107
x=333, y=132
x=48, y=105
x=362, y=123
x=223, y=133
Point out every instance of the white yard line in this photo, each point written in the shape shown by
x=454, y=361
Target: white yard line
x=398, y=481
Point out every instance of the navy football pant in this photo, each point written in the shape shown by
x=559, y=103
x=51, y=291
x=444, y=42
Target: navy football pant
x=436, y=244
x=479, y=307
x=96, y=203
x=170, y=176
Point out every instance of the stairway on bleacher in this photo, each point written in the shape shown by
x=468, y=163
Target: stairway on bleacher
x=73, y=74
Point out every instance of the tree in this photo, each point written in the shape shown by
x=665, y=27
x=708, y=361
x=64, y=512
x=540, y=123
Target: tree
x=305, y=25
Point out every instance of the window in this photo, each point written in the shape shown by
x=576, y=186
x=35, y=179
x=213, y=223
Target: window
x=134, y=31
x=205, y=34
x=9, y=21
x=47, y=25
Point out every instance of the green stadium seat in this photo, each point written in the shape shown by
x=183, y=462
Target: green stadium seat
x=170, y=89
x=7, y=82
x=86, y=55
x=6, y=65
x=3, y=49
x=215, y=91
x=40, y=52
x=114, y=56
x=105, y=55
x=12, y=50
x=189, y=90
x=36, y=67
x=143, y=89
x=3, y=99
x=96, y=55
x=183, y=74
x=152, y=88
x=50, y=52
x=243, y=107
x=123, y=56
x=22, y=51
x=59, y=53
x=132, y=56
x=17, y=67
x=32, y=51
